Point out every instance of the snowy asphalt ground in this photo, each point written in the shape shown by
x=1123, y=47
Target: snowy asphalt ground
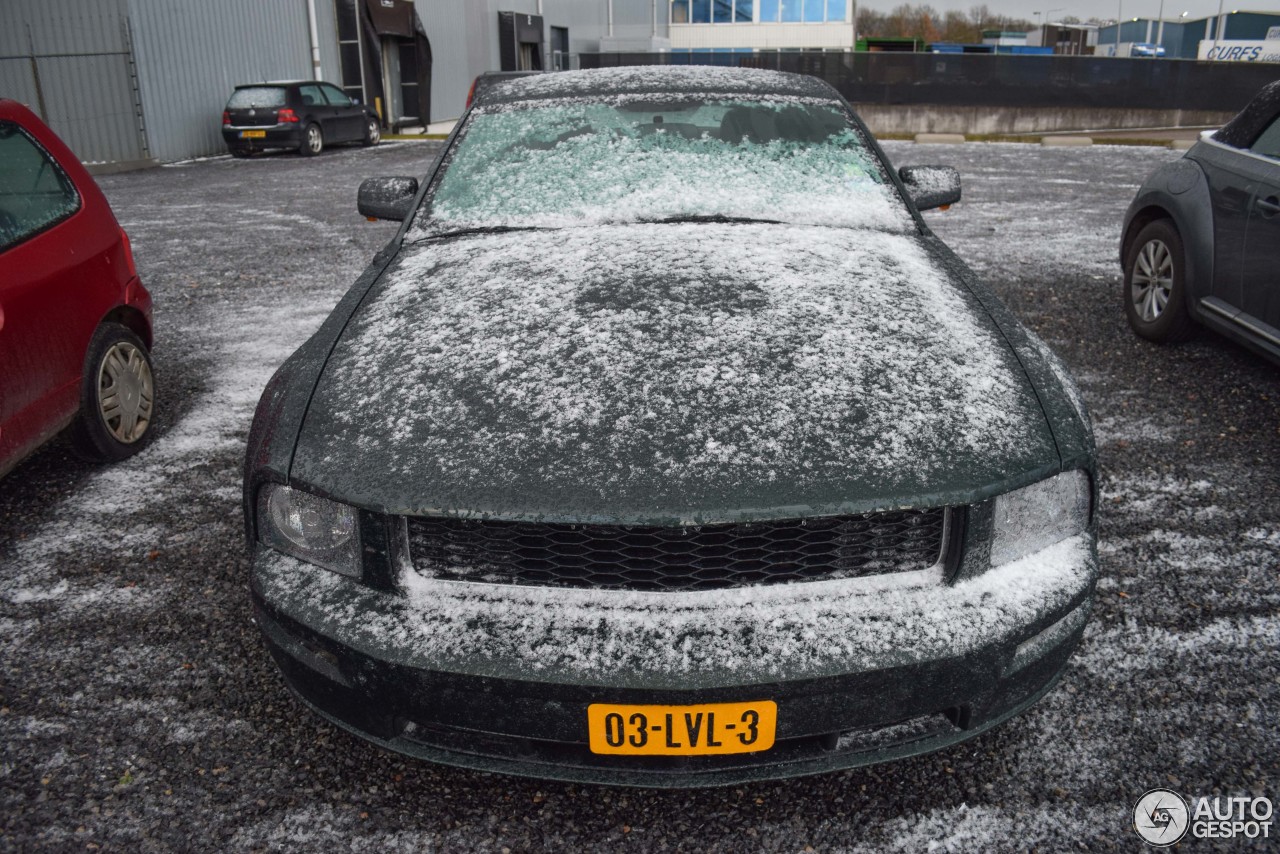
x=139, y=710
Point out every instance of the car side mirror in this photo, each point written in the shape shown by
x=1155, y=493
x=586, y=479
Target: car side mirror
x=387, y=198
x=931, y=186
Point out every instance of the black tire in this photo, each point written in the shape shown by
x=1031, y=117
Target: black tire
x=1155, y=284
x=240, y=152
x=117, y=365
x=372, y=132
x=312, y=141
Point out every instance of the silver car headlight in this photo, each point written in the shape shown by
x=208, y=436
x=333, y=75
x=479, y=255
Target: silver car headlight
x=1037, y=516
x=309, y=528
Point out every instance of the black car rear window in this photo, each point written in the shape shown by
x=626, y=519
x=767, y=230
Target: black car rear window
x=257, y=96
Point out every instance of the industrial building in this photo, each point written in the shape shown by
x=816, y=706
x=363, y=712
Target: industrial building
x=1181, y=37
x=135, y=82
x=131, y=82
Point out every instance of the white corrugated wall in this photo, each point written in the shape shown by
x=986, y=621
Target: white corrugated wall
x=191, y=53
x=68, y=61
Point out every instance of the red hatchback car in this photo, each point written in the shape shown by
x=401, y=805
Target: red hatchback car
x=75, y=319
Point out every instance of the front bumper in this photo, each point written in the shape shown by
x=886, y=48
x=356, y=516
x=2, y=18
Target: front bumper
x=277, y=136
x=500, y=679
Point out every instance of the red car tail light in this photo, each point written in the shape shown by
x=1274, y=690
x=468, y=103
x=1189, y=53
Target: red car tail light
x=286, y=115
x=226, y=118
x=471, y=93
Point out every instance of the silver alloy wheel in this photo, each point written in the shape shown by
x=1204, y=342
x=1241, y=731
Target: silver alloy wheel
x=1152, y=281
x=315, y=141
x=373, y=132
x=126, y=392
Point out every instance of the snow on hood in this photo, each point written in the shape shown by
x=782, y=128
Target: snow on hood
x=667, y=371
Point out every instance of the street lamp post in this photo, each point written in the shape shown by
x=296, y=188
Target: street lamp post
x=1119, y=17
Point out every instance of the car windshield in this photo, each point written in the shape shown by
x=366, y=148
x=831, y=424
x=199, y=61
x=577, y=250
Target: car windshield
x=562, y=163
x=257, y=96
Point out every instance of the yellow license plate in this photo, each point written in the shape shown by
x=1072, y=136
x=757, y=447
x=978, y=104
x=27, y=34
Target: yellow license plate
x=253, y=134
x=709, y=729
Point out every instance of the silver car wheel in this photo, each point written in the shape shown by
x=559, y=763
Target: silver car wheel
x=373, y=133
x=315, y=140
x=1152, y=280
x=126, y=392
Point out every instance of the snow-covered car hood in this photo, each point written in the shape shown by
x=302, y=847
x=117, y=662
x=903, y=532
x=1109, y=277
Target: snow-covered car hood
x=653, y=373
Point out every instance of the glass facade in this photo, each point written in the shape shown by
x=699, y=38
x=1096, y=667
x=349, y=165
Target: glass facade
x=764, y=11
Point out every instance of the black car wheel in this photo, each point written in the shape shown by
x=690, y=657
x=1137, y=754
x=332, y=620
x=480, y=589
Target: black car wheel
x=240, y=152
x=372, y=132
x=312, y=141
x=1155, y=289
x=117, y=396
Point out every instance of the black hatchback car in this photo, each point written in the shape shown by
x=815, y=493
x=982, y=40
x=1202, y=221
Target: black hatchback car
x=304, y=115
x=1201, y=238
x=666, y=445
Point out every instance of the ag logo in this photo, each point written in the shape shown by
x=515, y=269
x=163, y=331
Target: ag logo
x=1161, y=817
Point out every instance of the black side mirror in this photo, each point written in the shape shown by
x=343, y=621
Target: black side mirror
x=387, y=198
x=931, y=186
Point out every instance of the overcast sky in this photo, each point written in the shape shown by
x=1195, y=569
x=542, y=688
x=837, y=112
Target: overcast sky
x=1085, y=9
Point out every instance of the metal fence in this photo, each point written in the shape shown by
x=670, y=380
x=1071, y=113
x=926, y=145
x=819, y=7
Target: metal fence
x=981, y=80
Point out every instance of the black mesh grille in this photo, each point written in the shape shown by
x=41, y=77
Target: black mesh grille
x=686, y=558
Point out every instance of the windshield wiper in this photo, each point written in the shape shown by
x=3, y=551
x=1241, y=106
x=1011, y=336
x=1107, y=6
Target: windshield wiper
x=708, y=218
x=481, y=229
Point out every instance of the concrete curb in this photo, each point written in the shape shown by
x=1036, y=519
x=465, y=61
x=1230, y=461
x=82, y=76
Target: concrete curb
x=939, y=138
x=119, y=166
x=1182, y=144
x=414, y=137
x=1065, y=141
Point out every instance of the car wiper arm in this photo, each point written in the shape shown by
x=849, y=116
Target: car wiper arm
x=482, y=229
x=708, y=218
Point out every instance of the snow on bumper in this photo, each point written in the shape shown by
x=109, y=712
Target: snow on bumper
x=655, y=640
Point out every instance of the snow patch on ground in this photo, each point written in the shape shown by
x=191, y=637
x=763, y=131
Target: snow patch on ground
x=97, y=519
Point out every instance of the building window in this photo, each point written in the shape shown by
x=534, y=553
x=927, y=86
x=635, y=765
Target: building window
x=718, y=11
x=801, y=11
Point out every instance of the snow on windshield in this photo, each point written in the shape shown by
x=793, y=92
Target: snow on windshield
x=562, y=163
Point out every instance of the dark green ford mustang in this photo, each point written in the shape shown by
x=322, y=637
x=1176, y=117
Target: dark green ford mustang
x=666, y=445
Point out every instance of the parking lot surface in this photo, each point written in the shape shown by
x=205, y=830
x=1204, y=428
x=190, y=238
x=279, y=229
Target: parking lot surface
x=139, y=710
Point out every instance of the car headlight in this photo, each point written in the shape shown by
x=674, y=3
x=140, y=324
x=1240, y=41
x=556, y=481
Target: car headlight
x=310, y=528
x=1035, y=517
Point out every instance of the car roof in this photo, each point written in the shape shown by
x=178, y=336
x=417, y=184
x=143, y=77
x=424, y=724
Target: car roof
x=262, y=83
x=657, y=80
x=1244, y=130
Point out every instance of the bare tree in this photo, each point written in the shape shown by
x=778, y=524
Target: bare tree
x=923, y=22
